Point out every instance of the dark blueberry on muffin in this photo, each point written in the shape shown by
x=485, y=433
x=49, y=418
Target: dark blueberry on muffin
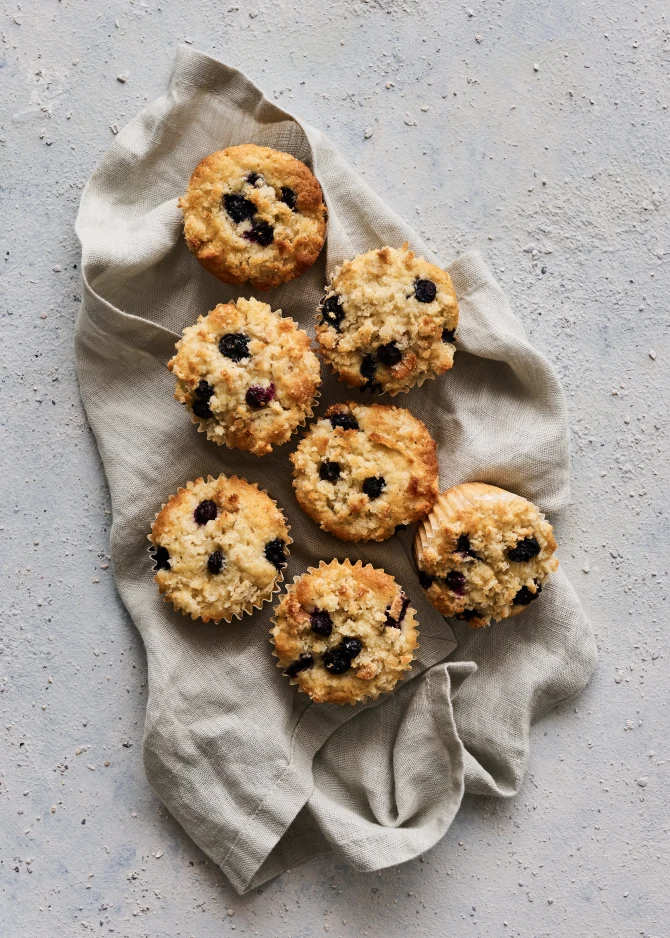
x=206, y=511
x=351, y=646
x=524, y=597
x=258, y=396
x=302, y=664
x=524, y=550
x=161, y=558
x=344, y=420
x=215, y=562
x=239, y=208
x=336, y=661
x=456, y=582
x=374, y=486
x=321, y=622
x=274, y=552
x=425, y=291
x=234, y=345
x=389, y=354
x=260, y=233
x=288, y=197
x=329, y=471
x=332, y=312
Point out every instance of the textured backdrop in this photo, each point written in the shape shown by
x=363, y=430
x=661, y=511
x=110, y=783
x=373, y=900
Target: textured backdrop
x=536, y=132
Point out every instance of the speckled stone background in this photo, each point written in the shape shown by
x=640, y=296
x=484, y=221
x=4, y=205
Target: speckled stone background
x=536, y=131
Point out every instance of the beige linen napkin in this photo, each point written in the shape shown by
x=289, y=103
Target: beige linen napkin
x=259, y=777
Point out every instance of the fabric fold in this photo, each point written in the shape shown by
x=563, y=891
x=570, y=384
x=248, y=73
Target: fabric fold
x=259, y=777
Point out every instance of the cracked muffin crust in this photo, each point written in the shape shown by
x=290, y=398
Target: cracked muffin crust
x=253, y=214
x=483, y=553
x=344, y=632
x=219, y=547
x=361, y=471
x=388, y=321
x=247, y=375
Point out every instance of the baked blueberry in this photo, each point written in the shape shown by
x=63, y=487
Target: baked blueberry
x=321, y=622
x=426, y=580
x=448, y=335
x=425, y=291
x=206, y=511
x=332, y=312
x=336, y=661
x=161, y=558
x=216, y=562
x=234, y=345
x=258, y=396
x=524, y=550
x=389, y=354
x=288, y=197
x=351, y=646
x=204, y=390
x=524, y=597
x=201, y=408
x=253, y=178
x=345, y=420
x=456, y=582
x=304, y=662
x=274, y=552
x=392, y=623
x=329, y=471
x=260, y=233
x=239, y=208
x=374, y=486
x=463, y=545
x=368, y=367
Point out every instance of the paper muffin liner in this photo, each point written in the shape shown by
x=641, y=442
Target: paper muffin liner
x=260, y=600
x=334, y=563
x=421, y=379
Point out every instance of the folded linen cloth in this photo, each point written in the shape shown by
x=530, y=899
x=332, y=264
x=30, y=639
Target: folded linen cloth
x=259, y=776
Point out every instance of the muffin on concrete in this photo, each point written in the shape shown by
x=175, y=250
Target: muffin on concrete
x=219, y=548
x=483, y=553
x=247, y=375
x=388, y=321
x=254, y=215
x=344, y=632
x=361, y=471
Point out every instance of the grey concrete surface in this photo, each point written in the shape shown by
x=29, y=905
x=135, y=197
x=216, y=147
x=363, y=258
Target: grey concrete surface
x=535, y=131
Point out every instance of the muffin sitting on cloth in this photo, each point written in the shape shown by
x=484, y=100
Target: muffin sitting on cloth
x=483, y=553
x=219, y=548
x=361, y=471
x=344, y=632
x=253, y=214
x=388, y=321
x=247, y=375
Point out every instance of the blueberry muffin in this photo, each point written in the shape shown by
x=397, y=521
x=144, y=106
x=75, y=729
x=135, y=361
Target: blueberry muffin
x=344, y=632
x=388, y=321
x=219, y=548
x=483, y=553
x=254, y=215
x=247, y=375
x=361, y=471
